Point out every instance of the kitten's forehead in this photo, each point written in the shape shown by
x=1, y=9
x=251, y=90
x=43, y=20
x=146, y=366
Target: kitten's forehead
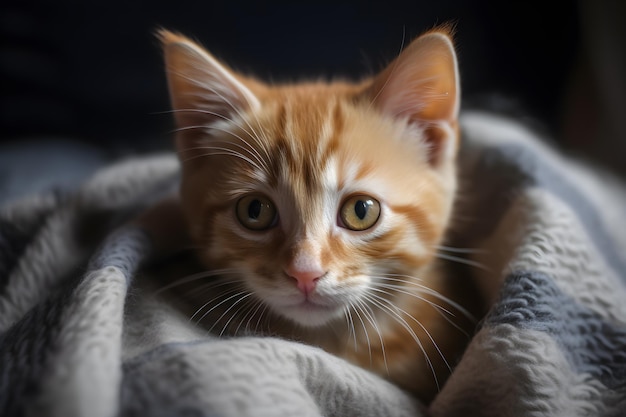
x=324, y=142
x=316, y=142
x=304, y=141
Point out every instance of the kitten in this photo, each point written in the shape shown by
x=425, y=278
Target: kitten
x=318, y=208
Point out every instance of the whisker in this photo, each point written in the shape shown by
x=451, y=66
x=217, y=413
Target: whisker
x=388, y=310
x=350, y=321
x=408, y=280
x=258, y=304
x=230, y=104
x=207, y=288
x=462, y=261
x=225, y=152
x=442, y=311
x=195, y=277
x=243, y=297
x=459, y=250
x=215, y=306
x=241, y=116
x=262, y=143
x=367, y=338
x=207, y=87
x=419, y=323
x=369, y=315
x=246, y=307
x=402, y=290
x=251, y=150
x=209, y=113
x=254, y=134
x=258, y=322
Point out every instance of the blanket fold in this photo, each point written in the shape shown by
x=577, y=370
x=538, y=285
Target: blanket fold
x=82, y=335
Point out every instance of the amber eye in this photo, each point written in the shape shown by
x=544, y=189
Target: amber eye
x=256, y=212
x=359, y=212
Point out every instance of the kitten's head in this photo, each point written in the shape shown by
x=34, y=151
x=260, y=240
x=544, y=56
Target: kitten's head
x=315, y=192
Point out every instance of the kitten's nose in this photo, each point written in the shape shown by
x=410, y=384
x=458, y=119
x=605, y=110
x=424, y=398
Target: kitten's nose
x=306, y=279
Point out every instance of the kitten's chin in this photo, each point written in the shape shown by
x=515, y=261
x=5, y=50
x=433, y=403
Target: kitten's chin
x=308, y=314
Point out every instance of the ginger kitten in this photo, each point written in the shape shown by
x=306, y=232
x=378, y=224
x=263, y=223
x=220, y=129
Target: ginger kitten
x=318, y=208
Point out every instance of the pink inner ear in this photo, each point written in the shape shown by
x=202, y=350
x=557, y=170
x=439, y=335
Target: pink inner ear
x=202, y=90
x=422, y=85
x=198, y=82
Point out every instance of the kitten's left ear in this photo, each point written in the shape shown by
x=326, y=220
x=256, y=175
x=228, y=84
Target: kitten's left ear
x=202, y=90
x=422, y=85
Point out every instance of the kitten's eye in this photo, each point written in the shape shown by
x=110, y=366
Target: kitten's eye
x=359, y=212
x=256, y=212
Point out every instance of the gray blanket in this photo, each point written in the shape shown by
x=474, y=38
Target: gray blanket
x=80, y=337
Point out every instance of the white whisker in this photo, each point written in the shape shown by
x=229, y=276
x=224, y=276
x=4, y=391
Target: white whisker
x=243, y=297
x=443, y=312
x=215, y=306
x=253, y=135
x=408, y=280
x=374, y=299
x=461, y=261
x=419, y=323
x=195, y=277
x=230, y=104
x=251, y=150
x=258, y=322
x=259, y=304
x=401, y=290
x=369, y=315
x=459, y=250
x=350, y=321
x=367, y=337
x=235, y=109
x=220, y=151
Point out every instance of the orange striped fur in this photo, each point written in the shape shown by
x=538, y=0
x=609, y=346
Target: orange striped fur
x=300, y=152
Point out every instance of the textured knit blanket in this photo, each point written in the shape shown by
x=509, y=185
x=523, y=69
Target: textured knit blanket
x=80, y=337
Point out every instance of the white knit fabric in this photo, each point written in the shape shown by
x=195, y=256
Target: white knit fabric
x=79, y=335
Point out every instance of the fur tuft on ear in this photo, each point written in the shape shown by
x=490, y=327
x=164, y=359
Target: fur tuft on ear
x=422, y=86
x=202, y=90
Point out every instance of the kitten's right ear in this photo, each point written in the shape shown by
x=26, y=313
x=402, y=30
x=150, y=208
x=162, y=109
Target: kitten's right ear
x=422, y=86
x=202, y=90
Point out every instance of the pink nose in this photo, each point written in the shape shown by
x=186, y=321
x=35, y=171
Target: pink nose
x=306, y=280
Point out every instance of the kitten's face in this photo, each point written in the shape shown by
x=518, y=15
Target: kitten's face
x=314, y=194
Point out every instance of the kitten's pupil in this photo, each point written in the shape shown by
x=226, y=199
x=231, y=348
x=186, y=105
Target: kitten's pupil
x=359, y=212
x=256, y=212
x=254, y=209
x=360, y=209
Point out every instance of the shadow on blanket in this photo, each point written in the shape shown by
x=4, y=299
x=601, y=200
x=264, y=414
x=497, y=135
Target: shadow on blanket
x=79, y=336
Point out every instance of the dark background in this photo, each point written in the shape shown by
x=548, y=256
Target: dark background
x=92, y=71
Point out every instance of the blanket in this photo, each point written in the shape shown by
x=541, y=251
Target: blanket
x=80, y=337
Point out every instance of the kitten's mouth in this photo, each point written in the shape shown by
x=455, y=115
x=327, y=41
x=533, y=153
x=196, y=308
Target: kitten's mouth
x=307, y=304
x=312, y=314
